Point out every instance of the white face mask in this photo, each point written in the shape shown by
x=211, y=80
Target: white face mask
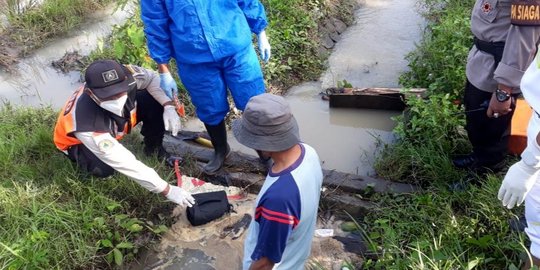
x=115, y=106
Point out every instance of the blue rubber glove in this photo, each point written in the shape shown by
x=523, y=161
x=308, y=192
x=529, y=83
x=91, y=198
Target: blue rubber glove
x=168, y=84
x=264, y=46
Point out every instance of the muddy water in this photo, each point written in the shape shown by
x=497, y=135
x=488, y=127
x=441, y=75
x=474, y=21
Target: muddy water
x=369, y=54
x=38, y=83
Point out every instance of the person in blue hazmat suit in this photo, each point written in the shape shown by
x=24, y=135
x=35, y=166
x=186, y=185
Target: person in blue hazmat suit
x=211, y=42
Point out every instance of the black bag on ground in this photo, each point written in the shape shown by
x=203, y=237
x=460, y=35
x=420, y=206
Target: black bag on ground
x=208, y=206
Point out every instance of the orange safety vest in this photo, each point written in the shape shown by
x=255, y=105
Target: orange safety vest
x=82, y=114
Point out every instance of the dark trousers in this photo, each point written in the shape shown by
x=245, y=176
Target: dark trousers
x=149, y=112
x=488, y=136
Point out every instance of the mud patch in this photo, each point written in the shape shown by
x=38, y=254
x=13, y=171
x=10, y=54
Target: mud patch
x=215, y=245
x=71, y=61
x=334, y=252
x=8, y=55
x=219, y=244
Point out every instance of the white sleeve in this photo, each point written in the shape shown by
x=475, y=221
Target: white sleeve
x=114, y=154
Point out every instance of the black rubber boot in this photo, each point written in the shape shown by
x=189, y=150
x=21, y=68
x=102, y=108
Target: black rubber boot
x=218, y=136
x=466, y=161
x=472, y=162
x=153, y=145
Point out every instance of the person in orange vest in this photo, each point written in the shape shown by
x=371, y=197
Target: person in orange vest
x=112, y=101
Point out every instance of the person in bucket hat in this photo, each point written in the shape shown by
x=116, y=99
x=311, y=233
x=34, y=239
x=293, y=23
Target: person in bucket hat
x=112, y=101
x=280, y=233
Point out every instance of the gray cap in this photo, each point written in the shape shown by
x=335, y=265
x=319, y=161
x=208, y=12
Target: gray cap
x=267, y=124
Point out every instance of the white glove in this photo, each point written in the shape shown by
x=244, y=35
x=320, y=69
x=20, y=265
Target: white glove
x=520, y=178
x=264, y=46
x=171, y=119
x=180, y=196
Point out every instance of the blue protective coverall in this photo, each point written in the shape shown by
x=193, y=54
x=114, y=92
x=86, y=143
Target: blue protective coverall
x=211, y=42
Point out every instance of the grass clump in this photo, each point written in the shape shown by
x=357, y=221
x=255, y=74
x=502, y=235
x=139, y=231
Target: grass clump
x=438, y=63
x=428, y=131
x=32, y=24
x=54, y=216
x=441, y=229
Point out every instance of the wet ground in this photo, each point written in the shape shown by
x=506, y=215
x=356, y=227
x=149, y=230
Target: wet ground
x=369, y=54
x=209, y=246
x=219, y=244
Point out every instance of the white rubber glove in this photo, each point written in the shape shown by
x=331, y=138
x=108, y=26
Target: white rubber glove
x=168, y=84
x=264, y=46
x=180, y=196
x=520, y=178
x=518, y=181
x=171, y=119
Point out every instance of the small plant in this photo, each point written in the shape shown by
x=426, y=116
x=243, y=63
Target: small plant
x=428, y=133
x=438, y=63
x=344, y=84
x=435, y=118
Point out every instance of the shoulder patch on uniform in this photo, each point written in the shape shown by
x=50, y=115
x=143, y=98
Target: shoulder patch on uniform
x=105, y=145
x=104, y=141
x=136, y=72
x=525, y=12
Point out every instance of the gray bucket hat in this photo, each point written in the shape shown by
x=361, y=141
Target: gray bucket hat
x=267, y=124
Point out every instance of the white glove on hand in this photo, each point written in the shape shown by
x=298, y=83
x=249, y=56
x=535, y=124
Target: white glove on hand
x=168, y=84
x=521, y=177
x=518, y=181
x=171, y=119
x=264, y=46
x=180, y=196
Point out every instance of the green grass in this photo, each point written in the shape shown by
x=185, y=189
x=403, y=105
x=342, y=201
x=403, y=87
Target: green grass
x=32, y=27
x=439, y=228
x=439, y=61
x=428, y=132
x=54, y=217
